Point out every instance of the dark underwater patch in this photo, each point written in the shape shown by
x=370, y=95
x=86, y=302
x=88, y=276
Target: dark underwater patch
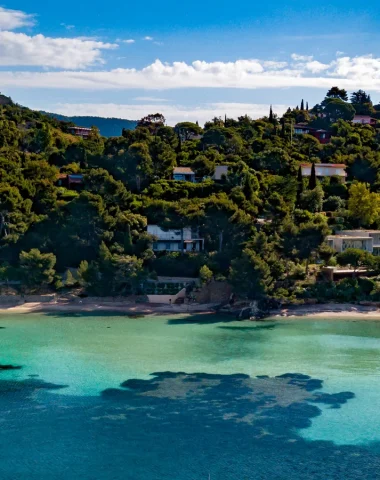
x=176, y=425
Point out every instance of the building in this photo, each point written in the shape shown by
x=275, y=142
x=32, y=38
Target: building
x=340, y=243
x=325, y=170
x=176, y=240
x=323, y=136
x=184, y=174
x=374, y=234
x=221, y=172
x=364, y=120
x=80, y=131
x=71, y=181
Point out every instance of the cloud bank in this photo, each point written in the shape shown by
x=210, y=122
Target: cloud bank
x=347, y=72
x=19, y=49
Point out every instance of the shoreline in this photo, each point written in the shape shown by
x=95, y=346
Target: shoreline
x=326, y=311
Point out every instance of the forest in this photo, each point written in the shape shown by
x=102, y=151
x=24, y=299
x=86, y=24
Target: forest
x=264, y=224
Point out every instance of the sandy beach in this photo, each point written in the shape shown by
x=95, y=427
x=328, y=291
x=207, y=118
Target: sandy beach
x=327, y=311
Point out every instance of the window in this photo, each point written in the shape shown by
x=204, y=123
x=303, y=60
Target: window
x=167, y=246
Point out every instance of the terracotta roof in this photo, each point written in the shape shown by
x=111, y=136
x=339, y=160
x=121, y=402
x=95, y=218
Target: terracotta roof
x=183, y=170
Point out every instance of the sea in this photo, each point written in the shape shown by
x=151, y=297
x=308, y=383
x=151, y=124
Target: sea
x=104, y=396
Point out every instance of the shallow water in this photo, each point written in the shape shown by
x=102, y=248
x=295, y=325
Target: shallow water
x=86, y=405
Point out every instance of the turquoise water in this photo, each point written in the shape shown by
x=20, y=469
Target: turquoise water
x=86, y=405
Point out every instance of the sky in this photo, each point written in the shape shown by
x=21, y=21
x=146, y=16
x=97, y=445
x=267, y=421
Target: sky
x=190, y=61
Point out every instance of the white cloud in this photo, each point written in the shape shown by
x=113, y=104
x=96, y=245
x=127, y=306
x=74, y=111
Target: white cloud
x=19, y=49
x=11, y=19
x=173, y=113
x=347, y=72
x=149, y=39
x=130, y=40
x=316, y=67
x=302, y=58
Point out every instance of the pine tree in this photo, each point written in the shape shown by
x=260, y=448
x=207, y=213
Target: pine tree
x=302, y=105
x=313, y=178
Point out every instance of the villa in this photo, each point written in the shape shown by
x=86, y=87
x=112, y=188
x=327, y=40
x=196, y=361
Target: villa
x=367, y=240
x=80, y=131
x=176, y=240
x=364, y=120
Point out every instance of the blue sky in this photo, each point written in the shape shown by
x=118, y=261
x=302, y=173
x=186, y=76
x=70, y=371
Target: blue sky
x=188, y=60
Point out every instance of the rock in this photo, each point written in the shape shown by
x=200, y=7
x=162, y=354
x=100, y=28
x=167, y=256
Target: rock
x=10, y=367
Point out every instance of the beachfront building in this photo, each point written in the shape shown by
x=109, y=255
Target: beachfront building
x=184, y=174
x=341, y=243
x=325, y=170
x=176, y=240
x=80, y=131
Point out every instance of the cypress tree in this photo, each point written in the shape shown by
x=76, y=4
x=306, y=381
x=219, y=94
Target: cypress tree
x=313, y=178
x=179, y=146
x=307, y=106
x=283, y=129
x=225, y=119
x=196, y=123
x=248, y=187
x=271, y=117
x=302, y=105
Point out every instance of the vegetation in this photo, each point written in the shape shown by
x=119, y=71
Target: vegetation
x=263, y=225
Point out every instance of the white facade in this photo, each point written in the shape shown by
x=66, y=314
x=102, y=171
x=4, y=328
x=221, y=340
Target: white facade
x=374, y=234
x=341, y=243
x=171, y=240
x=324, y=170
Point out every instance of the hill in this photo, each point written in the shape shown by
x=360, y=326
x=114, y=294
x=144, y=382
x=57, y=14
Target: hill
x=109, y=127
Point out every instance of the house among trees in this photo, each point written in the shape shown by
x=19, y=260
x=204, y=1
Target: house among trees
x=325, y=170
x=79, y=131
x=176, y=240
x=184, y=174
x=323, y=136
x=341, y=243
x=364, y=120
x=372, y=234
x=70, y=181
x=221, y=172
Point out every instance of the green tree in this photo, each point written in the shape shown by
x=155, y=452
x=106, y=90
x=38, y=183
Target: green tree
x=363, y=205
x=339, y=93
x=313, y=178
x=37, y=268
x=354, y=257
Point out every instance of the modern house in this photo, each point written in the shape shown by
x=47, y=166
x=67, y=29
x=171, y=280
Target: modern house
x=364, y=120
x=340, y=243
x=80, y=131
x=373, y=234
x=323, y=136
x=184, y=174
x=325, y=170
x=176, y=240
x=221, y=172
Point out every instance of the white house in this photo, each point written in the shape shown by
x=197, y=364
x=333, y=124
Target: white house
x=340, y=243
x=325, y=170
x=176, y=240
x=374, y=234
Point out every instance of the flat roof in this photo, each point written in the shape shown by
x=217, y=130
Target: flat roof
x=332, y=165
